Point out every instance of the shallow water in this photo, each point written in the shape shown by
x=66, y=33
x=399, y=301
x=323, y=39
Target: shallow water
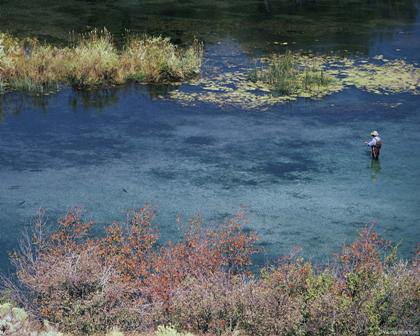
x=300, y=169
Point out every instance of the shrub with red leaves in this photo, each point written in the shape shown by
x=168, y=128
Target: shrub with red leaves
x=87, y=284
x=90, y=284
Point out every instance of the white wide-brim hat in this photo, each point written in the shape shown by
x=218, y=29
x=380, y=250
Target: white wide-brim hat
x=374, y=133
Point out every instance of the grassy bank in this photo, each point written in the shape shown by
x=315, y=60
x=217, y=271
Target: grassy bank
x=94, y=60
x=202, y=284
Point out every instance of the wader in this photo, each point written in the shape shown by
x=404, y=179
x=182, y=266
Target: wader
x=376, y=149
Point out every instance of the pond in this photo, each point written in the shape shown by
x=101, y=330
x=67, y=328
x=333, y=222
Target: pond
x=299, y=169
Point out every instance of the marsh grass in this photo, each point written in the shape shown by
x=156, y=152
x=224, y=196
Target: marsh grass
x=287, y=74
x=315, y=78
x=156, y=59
x=92, y=61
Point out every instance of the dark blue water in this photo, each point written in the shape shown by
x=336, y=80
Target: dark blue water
x=300, y=169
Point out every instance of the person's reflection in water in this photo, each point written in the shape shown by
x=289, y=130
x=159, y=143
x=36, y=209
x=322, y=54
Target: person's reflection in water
x=376, y=169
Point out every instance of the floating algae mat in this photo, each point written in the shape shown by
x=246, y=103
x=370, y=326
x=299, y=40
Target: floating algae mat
x=390, y=77
x=254, y=87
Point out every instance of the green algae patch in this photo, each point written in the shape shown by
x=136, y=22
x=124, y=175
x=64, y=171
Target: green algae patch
x=395, y=76
x=251, y=88
x=276, y=80
x=229, y=88
x=281, y=79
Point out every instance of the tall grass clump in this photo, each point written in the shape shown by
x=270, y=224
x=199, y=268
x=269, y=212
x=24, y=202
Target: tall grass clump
x=154, y=59
x=93, y=60
x=287, y=74
x=124, y=281
x=30, y=65
x=281, y=74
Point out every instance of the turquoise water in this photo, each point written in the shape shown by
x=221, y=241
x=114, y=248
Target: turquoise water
x=300, y=170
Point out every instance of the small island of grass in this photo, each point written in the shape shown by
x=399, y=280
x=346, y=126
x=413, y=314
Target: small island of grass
x=94, y=60
x=286, y=74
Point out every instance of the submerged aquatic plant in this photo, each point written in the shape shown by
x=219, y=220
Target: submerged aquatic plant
x=394, y=76
x=94, y=60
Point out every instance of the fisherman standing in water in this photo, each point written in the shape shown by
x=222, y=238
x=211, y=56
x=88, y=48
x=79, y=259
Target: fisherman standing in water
x=375, y=144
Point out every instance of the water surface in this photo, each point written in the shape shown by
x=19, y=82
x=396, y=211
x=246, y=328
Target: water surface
x=300, y=169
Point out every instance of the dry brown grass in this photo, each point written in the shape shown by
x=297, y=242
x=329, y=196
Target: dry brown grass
x=94, y=60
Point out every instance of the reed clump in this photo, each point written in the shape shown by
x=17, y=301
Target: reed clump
x=292, y=74
x=94, y=60
x=156, y=59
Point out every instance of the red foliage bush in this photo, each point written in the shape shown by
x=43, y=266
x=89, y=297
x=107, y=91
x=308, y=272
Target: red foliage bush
x=89, y=284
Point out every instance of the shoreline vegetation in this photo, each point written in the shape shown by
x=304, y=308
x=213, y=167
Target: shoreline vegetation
x=94, y=60
x=124, y=283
